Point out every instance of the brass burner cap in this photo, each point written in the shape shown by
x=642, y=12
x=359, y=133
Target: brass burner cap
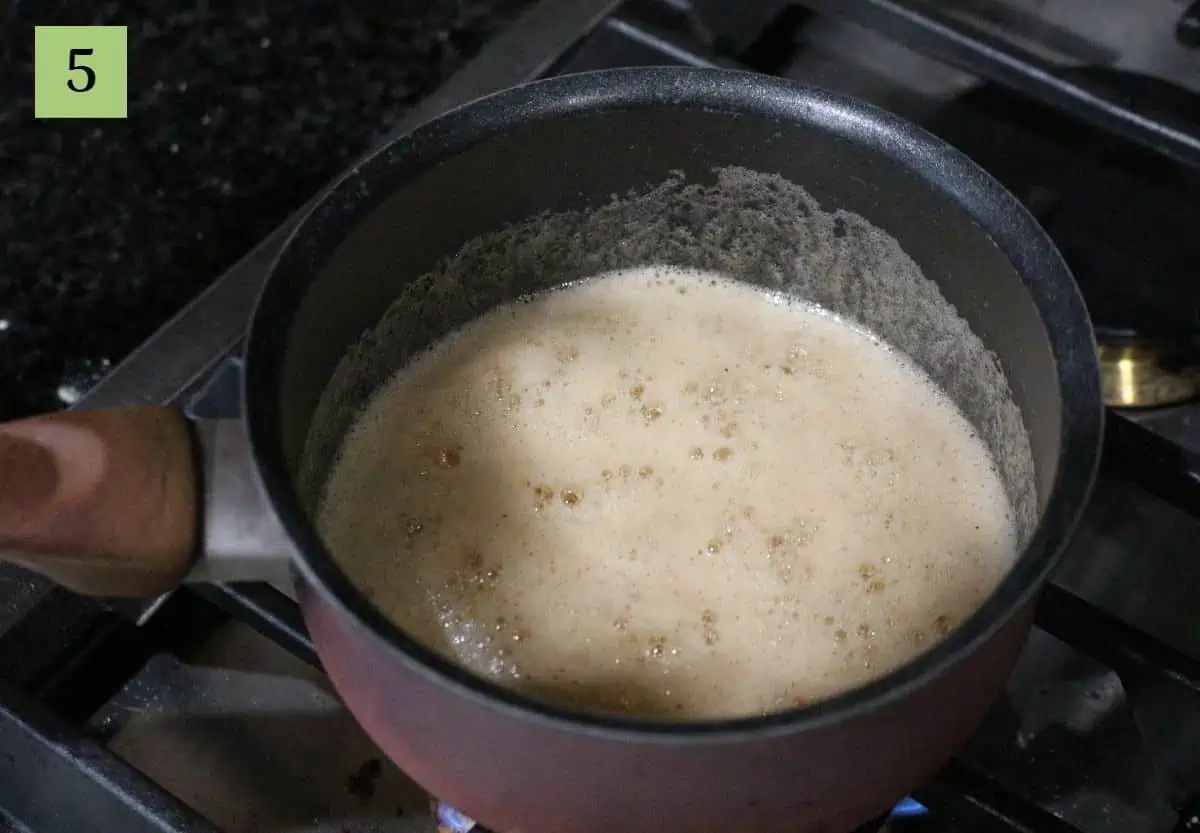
x=1149, y=375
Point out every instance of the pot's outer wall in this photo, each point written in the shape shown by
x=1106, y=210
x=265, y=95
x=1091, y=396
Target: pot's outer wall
x=521, y=777
x=573, y=141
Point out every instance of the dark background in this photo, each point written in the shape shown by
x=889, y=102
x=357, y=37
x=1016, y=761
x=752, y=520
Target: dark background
x=238, y=112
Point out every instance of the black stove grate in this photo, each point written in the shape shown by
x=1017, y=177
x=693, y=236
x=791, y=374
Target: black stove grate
x=69, y=656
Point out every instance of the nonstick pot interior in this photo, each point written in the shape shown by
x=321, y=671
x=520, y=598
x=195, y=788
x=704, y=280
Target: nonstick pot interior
x=573, y=145
x=590, y=159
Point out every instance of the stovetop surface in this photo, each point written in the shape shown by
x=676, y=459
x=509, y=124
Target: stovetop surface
x=237, y=113
x=253, y=738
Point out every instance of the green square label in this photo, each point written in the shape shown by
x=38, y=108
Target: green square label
x=80, y=72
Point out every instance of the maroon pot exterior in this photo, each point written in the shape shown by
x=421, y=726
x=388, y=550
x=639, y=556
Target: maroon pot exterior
x=515, y=773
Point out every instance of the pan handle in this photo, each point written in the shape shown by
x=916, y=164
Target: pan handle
x=134, y=501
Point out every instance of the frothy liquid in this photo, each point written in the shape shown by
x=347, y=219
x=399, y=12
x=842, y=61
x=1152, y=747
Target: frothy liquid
x=664, y=493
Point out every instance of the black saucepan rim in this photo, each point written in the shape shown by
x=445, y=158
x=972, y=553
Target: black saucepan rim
x=997, y=212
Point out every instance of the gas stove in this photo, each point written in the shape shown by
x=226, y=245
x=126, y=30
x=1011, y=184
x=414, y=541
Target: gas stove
x=207, y=710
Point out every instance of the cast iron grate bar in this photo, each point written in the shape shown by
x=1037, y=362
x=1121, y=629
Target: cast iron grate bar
x=1162, y=686
x=52, y=778
x=74, y=656
x=775, y=47
x=1111, y=641
x=115, y=650
x=1166, y=470
x=732, y=28
x=268, y=612
x=41, y=637
x=928, y=28
x=988, y=800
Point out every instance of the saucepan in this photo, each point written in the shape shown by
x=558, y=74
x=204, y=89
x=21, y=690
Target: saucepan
x=775, y=183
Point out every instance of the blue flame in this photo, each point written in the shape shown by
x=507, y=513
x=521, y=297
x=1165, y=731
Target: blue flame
x=909, y=808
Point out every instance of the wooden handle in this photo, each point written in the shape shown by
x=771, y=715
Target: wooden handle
x=102, y=502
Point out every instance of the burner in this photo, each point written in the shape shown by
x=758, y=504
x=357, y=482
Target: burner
x=450, y=820
x=1126, y=220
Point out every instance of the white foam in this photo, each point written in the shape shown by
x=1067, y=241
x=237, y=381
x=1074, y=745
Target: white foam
x=663, y=492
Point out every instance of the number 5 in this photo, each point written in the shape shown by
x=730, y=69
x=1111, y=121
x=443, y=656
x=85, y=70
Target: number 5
x=87, y=71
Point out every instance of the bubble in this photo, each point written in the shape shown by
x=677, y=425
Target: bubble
x=785, y=571
x=879, y=457
x=567, y=353
x=714, y=394
x=542, y=494
x=449, y=458
x=651, y=414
